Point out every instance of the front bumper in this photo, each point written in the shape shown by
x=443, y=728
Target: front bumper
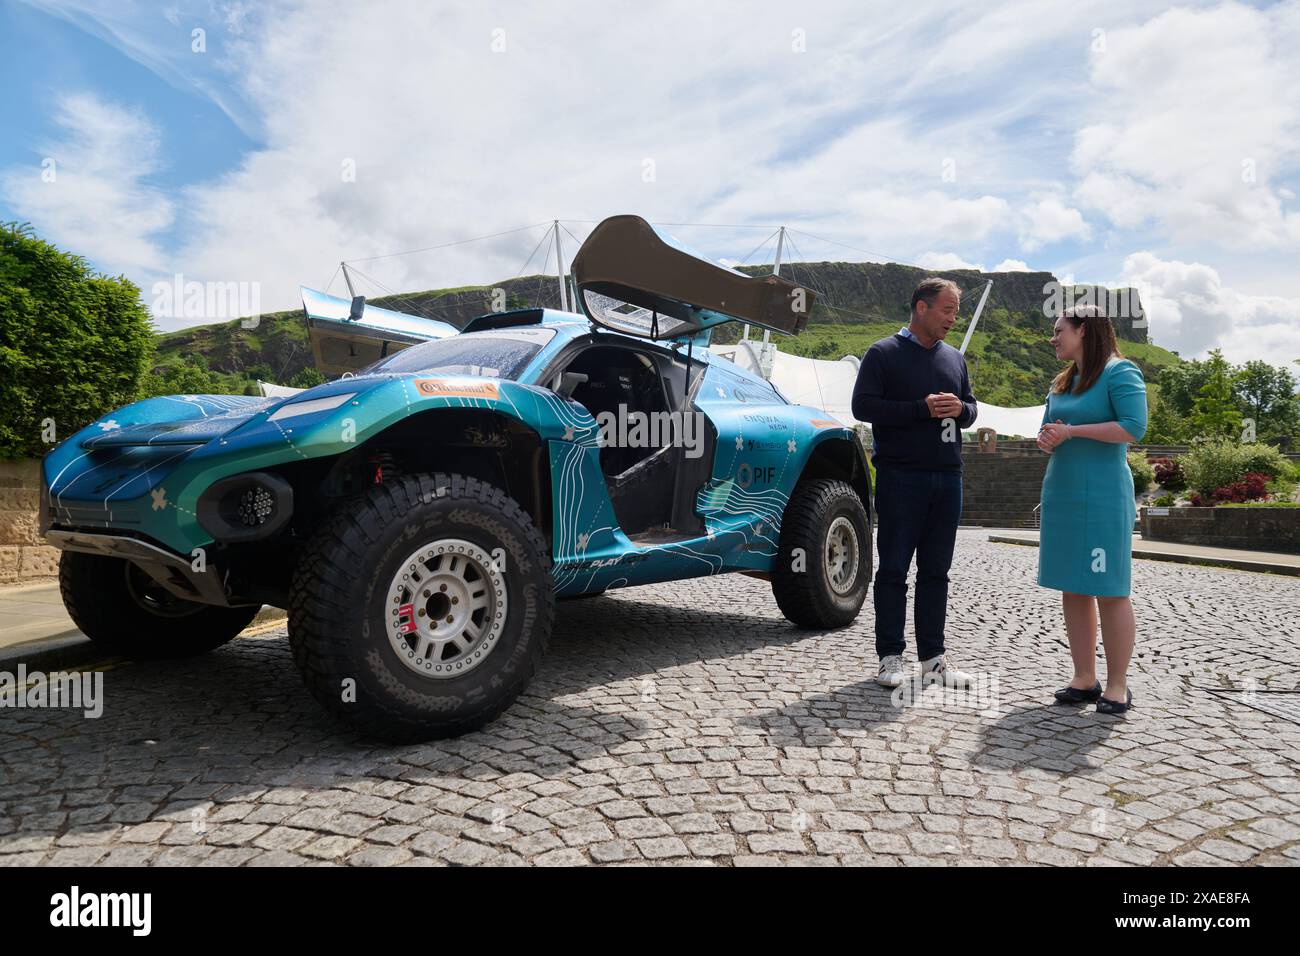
x=204, y=584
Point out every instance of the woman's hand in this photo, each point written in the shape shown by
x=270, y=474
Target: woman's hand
x=1052, y=435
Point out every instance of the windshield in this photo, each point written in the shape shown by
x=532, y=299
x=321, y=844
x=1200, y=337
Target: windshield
x=499, y=353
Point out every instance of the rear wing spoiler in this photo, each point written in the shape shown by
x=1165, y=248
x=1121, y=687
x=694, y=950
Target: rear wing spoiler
x=633, y=279
x=347, y=335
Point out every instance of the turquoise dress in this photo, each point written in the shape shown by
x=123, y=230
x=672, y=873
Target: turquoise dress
x=1086, y=537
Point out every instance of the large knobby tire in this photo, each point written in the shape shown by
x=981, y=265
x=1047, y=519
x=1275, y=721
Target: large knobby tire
x=376, y=583
x=816, y=583
x=125, y=612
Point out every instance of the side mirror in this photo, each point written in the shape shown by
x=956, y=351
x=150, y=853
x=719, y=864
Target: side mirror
x=358, y=308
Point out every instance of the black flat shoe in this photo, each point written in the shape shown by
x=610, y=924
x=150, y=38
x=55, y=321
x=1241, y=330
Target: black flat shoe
x=1072, y=695
x=1105, y=706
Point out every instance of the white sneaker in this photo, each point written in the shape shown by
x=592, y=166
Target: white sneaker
x=936, y=671
x=891, y=671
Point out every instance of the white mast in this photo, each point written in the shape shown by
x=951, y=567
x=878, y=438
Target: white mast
x=347, y=277
x=559, y=268
x=970, y=330
x=776, y=271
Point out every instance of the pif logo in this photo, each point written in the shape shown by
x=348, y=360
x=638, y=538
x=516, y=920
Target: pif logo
x=436, y=386
x=747, y=474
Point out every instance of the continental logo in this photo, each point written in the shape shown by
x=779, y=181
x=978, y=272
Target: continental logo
x=825, y=423
x=433, y=387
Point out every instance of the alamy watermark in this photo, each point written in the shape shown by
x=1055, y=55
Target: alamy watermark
x=81, y=691
x=133, y=911
x=626, y=428
x=179, y=299
x=921, y=691
x=1123, y=303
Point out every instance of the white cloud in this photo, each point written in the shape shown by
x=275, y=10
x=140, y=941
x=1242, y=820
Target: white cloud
x=1050, y=220
x=98, y=191
x=163, y=42
x=1005, y=139
x=1012, y=265
x=1191, y=310
x=651, y=114
x=1192, y=124
x=945, y=261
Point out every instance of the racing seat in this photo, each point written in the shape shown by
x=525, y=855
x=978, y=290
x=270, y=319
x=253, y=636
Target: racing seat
x=640, y=480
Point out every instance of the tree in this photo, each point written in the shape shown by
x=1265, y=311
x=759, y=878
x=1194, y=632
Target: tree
x=1215, y=413
x=1267, y=395
x=1181, y=384
x=74, y=344
x=1165, y=426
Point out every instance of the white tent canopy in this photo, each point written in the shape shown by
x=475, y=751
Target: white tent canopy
x=271, y=390
x=829, y=386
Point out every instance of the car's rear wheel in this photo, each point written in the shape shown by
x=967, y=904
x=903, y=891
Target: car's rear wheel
x=127, y=613
x=422, y=609
x=823, y=564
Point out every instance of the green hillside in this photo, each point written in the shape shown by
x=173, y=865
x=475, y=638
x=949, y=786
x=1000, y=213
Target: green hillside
x=1011, y=360
x=1010, y=365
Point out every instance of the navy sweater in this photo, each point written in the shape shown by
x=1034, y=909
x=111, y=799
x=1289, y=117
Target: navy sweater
x=895, y=376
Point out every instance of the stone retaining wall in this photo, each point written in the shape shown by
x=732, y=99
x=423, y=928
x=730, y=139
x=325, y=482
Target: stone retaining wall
x=1249, y=529
x=1000, y=489
x=24, y=555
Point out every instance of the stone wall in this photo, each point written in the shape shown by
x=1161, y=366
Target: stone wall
x=24, y=555
x=1249, y=529
x=1000, y=489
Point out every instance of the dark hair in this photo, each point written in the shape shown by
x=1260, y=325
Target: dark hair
x=930, y=288
x=1098, y=347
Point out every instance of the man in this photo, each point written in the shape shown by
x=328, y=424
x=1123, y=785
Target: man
x=915, y=391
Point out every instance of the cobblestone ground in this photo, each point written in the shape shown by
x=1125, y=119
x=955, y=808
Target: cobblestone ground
x=689, y=723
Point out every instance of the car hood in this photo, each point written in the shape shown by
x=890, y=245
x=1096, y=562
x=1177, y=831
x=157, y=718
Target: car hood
x=178, y=420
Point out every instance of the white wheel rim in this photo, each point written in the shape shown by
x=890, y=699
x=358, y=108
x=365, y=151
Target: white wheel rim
x=446, y=608
x=841, y=555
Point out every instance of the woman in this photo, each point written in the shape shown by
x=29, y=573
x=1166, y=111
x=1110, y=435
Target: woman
x=1097, y=405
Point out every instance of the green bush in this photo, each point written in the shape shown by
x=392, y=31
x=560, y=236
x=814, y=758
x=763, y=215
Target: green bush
x=1219, y=463
x=1283, y=488
x=190, y=376
x=1267, y=460
x=1143, y=474
x=73, y=344
x=1165, y=500
x=307, y=378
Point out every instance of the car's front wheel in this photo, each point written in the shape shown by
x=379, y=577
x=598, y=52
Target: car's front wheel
x=823, y=563
x=422, y=609
x=126, y=612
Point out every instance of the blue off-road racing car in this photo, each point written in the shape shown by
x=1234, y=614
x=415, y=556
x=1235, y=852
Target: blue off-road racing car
x=419, y=515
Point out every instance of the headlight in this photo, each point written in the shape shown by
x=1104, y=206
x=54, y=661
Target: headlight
x=246, y=507
x=294, y=409
x=255, y=506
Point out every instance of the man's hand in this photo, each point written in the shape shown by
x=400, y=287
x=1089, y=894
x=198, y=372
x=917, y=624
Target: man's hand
x=1051, y=435
x=945, y=405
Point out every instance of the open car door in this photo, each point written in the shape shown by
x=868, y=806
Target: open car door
x=633, y=279
x=347, y=335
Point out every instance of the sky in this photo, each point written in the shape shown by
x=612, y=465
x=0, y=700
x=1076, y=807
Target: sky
x=1123, y=143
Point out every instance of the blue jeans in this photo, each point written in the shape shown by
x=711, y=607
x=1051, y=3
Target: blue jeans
x=916, y=512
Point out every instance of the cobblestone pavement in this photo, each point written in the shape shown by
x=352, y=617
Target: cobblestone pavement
x=689, y=723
